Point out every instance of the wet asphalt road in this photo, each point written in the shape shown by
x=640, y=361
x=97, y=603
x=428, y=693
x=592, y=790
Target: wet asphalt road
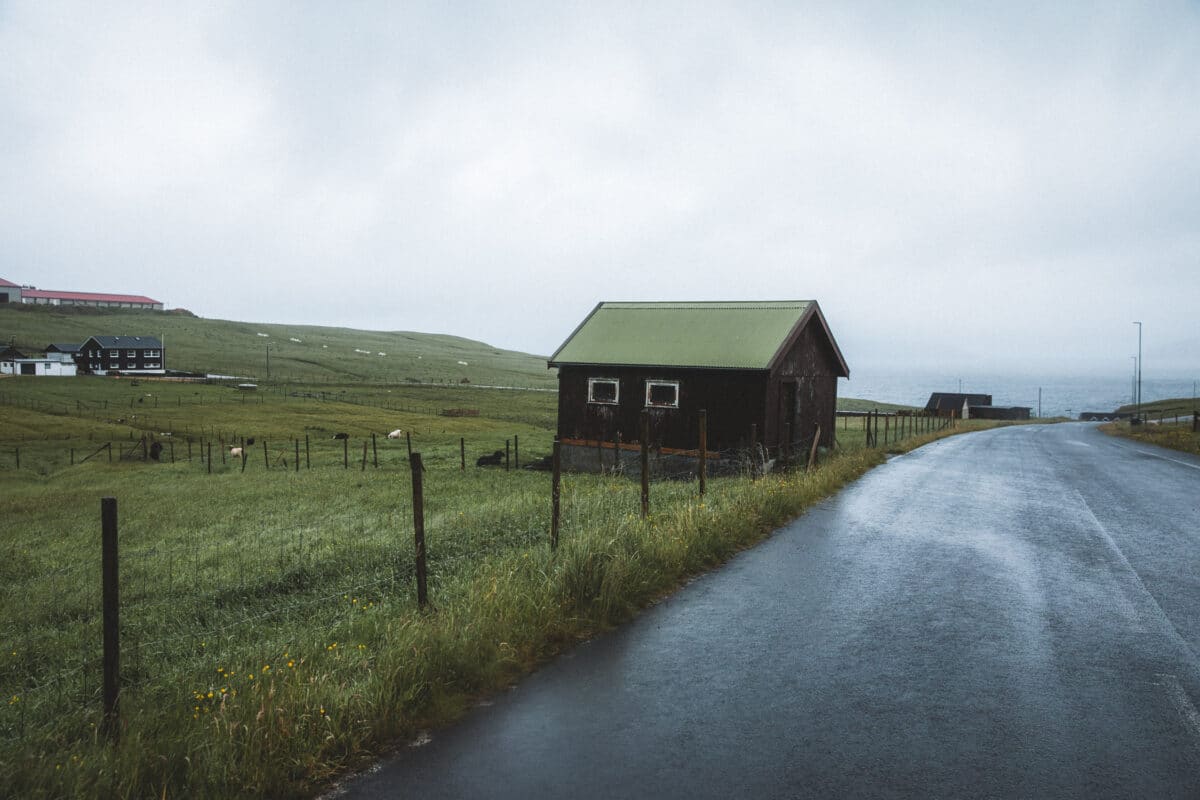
x=1013, y=613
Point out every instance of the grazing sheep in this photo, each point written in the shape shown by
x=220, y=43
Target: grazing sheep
x=341, y=436
x=396, y=434
x=494, y=460
x=236, y=452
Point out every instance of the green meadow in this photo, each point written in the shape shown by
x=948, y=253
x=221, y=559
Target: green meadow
x=270, y=635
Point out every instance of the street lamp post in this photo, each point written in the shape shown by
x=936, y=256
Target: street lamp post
x=1139, y=372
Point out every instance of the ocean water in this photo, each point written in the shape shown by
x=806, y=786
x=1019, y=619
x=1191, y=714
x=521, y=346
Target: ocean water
x=1060, y=396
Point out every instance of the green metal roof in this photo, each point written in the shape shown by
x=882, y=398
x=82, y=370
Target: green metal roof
x=729, y=335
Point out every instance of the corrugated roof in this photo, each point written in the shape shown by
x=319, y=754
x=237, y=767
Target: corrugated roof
x=131, y=342
x=729, y=335
x=95, y=297
x=8, y=284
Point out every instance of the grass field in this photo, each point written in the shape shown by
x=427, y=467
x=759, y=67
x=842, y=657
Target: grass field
x=269, y=630
x=322, y=354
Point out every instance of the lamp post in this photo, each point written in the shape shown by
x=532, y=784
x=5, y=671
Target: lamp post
x=1139, y=372
x=1133, y=382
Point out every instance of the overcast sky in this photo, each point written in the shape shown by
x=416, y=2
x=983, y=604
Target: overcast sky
x=972, y=187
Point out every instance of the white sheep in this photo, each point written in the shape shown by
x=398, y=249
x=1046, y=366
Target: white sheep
x=235, y=452
x=396, y=434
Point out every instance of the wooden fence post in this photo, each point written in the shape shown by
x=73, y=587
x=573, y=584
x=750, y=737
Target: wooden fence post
x=364, y=458
x=346, y=453
x=408, y=443
x=209, y=459
x=645, y=437
x=297, y=443
x=555, y=494
x=414, y=462
x=462, y=454
x=506, y=444
x=111, y=616
x=374, y=451
x=702, y=466
x=516, y=451
x=307, y=459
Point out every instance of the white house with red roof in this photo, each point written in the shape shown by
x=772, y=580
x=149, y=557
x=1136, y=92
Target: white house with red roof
x=54, y=298
x=9, y=292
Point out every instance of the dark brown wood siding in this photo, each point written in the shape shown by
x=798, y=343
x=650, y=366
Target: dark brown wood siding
x=734, y=400
x=808, y=369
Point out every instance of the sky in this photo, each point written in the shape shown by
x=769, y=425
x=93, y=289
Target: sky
x=963, y=187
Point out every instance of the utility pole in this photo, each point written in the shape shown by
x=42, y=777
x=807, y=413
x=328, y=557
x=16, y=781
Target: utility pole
x=1039, y=402
x=1139, y=371
x=268, y=362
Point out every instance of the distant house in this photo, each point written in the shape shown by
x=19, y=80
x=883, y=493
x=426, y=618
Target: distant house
x=44, y=367
x=945, y=404
x=100, y=300
x=61, y=351
x=1001, y=412
x=9, y=292
x=762, y=371
x=8, y=358
x=127, y=355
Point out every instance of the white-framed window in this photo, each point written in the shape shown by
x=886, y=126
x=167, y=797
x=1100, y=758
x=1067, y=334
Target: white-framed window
x=662, y=394
x=151, y=365
x=153, y=354
x=114, y=353
x=604, y=390
x=131, y=353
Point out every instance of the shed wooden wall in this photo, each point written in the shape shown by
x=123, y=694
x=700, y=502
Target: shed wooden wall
x=734, y=399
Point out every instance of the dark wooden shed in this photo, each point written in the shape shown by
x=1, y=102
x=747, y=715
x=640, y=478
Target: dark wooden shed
x=761, y=369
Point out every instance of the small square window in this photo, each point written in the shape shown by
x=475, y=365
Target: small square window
x=662, y=394
x=604, y=390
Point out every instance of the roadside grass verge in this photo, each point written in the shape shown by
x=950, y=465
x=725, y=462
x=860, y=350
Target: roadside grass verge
x=1173, y=435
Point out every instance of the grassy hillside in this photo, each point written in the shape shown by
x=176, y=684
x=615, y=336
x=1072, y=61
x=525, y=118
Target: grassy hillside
x=322, y=355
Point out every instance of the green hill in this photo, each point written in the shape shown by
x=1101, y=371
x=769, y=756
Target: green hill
x=297, y=353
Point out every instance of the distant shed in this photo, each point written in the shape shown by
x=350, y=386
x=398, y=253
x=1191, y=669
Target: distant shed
x=762, y=369
x=944, y=404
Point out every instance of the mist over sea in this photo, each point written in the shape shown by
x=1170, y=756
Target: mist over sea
x=1061, y=396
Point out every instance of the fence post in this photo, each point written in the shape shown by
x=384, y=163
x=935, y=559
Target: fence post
x=645, y=437
x=753, y=448
x=245, y=455
x=408, y=443
x=812, y=454
x=307, y=460
x=374, y=451
x=886, y=421
x=414, y=462
x=555, y=494
x=297, y=443
x=702, y=466
x=462, y=454
x=172, y=451
x=516, y=451
x=346, y=453
x=364, y=458
x=209, y=459
x=507, y=442
x=111, y=615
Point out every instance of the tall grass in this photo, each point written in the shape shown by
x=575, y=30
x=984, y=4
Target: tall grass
x=270, y=636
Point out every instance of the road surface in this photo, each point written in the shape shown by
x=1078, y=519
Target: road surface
x=1012, y=613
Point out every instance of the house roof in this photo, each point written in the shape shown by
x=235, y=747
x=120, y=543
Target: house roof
x=62, y=347
x=89, y=297
x=130, y=342
x=9, y=284
x=946, y=401
x=719, y=335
